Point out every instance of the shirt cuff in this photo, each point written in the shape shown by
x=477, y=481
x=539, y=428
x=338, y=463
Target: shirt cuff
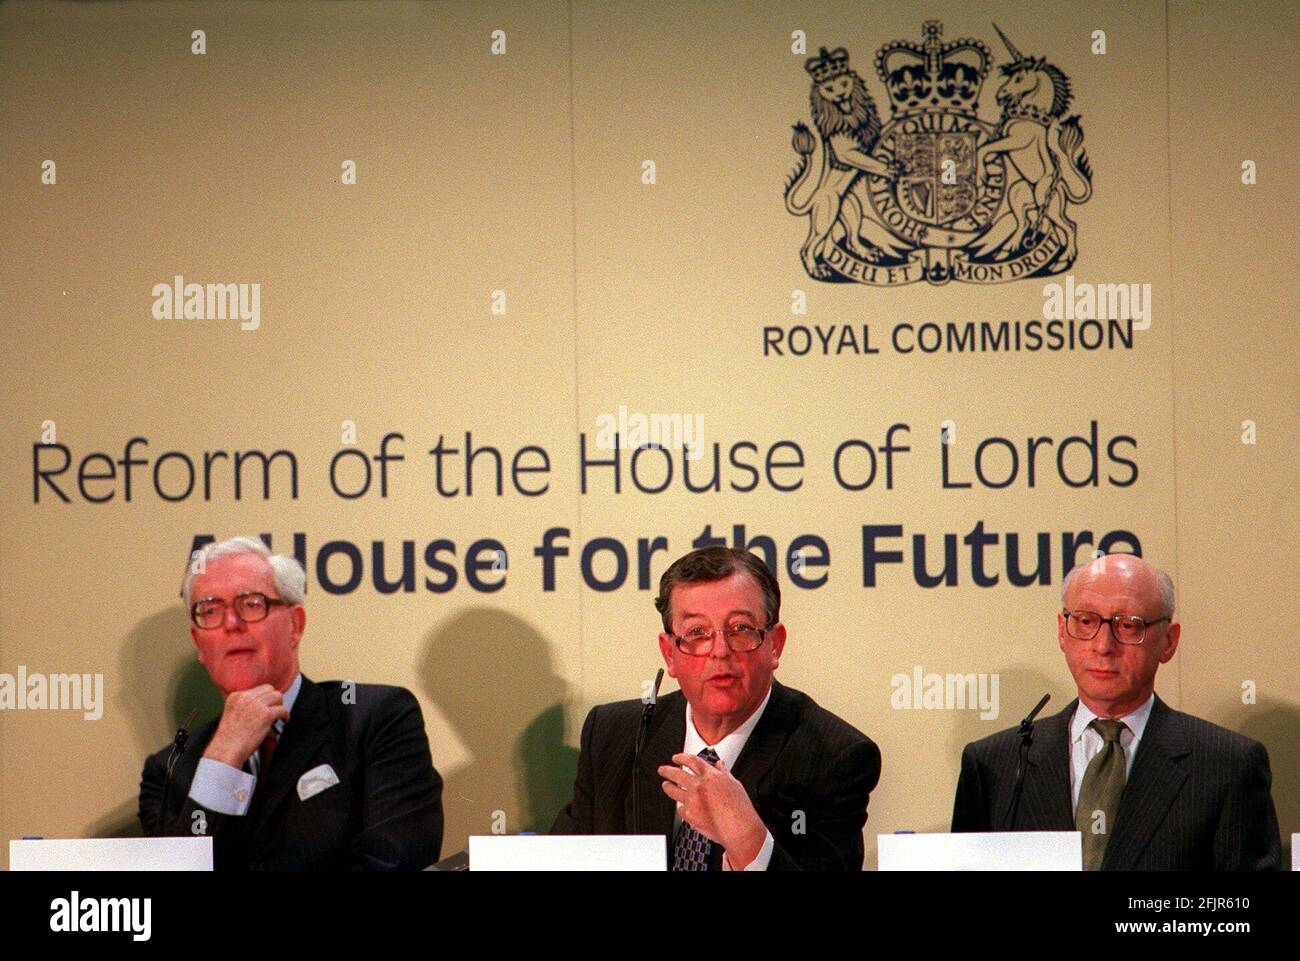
x=222, y=788
x=761, y=860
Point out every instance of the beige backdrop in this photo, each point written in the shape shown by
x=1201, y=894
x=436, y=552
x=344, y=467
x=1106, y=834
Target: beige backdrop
x=523, y=173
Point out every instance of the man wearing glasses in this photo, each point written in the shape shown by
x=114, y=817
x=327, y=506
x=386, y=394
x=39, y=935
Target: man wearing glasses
x=1149, y=787
x=737, y=771
x=294, y=775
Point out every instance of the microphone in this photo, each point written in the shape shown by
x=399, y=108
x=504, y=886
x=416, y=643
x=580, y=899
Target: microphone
x=1026, y=733
x=643, y=731
x=178, y=748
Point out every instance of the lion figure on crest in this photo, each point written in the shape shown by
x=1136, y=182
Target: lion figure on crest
x=830, y=160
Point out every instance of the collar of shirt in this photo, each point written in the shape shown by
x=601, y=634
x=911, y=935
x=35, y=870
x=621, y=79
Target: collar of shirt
x=290, y=696
x=1136, y=722
x=729, y=748
x=1085, y=743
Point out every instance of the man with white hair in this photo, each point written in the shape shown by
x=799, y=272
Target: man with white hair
x=1149, y=787
x=294, y=775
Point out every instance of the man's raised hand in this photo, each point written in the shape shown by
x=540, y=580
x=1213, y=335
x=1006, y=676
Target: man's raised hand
x=245, y=722
x=713, y=802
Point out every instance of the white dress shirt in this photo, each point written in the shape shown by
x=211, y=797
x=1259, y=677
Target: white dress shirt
x=229, y=790
x=728, y=751
x=1085, y=743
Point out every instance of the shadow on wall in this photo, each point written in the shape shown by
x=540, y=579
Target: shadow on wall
x=490, y=674
x=1018, y=692
x=1276, y=725
x=159, y=681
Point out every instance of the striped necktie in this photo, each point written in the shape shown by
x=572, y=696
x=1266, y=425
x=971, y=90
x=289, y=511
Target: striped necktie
x=691, y=849
x=260, y=760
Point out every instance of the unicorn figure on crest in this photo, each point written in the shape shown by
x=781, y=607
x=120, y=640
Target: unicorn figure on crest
x=1044, y=150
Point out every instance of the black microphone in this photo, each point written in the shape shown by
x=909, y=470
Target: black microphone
x=647, y=712
x=1026, y=733
x=178, y=748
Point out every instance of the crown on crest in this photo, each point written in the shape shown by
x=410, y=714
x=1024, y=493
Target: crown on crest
x=826, y=66
x=933, y=74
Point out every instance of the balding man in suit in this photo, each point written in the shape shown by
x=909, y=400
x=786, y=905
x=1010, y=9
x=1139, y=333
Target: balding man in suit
x=1151, y=788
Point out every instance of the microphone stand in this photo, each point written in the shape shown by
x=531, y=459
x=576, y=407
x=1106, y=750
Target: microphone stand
x=178, y=748
x=1026, y=733
x=643, y=730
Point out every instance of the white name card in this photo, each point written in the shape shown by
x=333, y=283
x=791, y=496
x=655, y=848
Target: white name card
x=569, y=852
x=993, y=851
x=112, y=854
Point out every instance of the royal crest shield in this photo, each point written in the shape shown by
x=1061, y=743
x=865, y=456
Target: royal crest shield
x=937, y=193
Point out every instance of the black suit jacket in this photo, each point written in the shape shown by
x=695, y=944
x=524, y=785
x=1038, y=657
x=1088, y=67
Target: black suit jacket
x=799, y=758
x=1197, y=797
x=385, y=812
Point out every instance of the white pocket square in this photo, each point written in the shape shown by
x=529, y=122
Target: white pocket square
x=316, y=780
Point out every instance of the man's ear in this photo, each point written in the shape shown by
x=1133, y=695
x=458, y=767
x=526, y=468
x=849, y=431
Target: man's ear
x=667, y=647
x=1060, y=630
x=194, y=636
x=1172, y=633
x=299, y=615
x=778, y=643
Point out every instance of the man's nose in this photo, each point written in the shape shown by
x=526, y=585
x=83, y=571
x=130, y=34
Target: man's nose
x=1105, y=639
x=231, y=620
x=720, y=648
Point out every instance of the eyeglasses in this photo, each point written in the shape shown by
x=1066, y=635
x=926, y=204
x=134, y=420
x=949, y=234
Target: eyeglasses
x=1125, y=628
x=739, y=637
x=250, y=608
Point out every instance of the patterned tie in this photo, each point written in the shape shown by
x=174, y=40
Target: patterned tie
x=1103, y=784
x=691, y=848
x=260, y=761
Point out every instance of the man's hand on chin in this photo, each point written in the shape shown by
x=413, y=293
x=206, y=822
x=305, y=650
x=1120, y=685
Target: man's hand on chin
x=713, y=802
x=245, y=721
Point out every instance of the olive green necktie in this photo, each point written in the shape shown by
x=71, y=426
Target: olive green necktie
x=1103, y=784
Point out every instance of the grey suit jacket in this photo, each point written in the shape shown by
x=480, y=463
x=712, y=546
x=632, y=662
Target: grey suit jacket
x=385, y=812
x=808, y=773
x=1197, y=797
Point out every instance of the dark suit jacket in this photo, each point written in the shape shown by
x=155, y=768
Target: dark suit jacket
x=385, y=812
x=1197, y=797
x=799, y=758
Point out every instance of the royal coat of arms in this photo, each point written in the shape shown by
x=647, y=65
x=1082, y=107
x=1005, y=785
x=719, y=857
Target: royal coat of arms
x=936, y=193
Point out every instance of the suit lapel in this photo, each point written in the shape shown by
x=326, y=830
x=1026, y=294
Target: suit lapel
x=761, y=750
x=766, y=740
x=666, y=738
x=304, y=735
x=1046, y=803
x=1158, y=776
